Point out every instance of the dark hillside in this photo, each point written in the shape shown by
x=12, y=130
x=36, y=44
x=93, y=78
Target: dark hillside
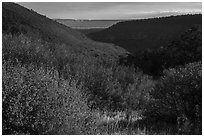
x=17, y=19
x=147, y=33
x=186, y=49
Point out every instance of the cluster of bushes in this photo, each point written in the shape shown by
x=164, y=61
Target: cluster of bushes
x=177, y=99
x=54, y=89
x=44, y=84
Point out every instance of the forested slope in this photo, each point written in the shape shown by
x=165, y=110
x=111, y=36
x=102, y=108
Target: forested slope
x=146, y=33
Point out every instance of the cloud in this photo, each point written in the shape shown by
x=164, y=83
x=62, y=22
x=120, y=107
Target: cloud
x=113, y=10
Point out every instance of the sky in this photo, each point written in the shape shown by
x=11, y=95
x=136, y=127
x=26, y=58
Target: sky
x=112, y=10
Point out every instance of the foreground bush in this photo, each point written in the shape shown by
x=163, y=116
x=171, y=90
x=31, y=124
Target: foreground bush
x=178, y=98
x=37, y=101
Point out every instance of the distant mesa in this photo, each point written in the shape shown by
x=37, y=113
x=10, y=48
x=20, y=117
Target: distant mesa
x=87, y=24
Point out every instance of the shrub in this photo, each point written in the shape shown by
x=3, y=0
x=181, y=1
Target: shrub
x=26, y=50
x=38, y=101
x=137, y=94
x=179, y=95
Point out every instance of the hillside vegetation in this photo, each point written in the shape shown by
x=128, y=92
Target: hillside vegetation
x=185, y=49
x=52, y=88
x=146, y=33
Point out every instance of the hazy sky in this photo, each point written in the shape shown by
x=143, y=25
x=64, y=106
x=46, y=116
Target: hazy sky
x=112, y=10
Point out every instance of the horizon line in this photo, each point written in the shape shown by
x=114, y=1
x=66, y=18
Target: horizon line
x=127, y=19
